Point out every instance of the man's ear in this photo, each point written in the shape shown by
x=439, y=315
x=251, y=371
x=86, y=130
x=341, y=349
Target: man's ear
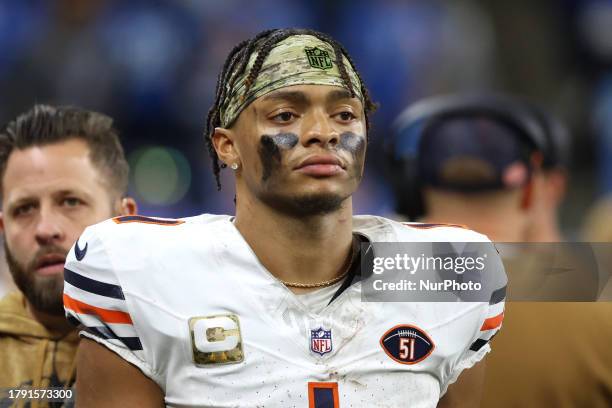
x=128, y=206
x=223, y=141
x=527, y=195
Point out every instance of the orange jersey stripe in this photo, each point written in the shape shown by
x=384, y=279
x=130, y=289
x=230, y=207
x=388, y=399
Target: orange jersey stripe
x=493, y=322
x=109, y=316
x=434, y=225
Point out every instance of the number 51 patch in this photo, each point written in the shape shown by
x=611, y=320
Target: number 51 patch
x=407, y=344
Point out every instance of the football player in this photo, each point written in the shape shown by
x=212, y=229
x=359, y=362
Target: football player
x=264, y=308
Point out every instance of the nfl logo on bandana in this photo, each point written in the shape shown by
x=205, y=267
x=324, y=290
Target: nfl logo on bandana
x=320, y=341
x=318, y=58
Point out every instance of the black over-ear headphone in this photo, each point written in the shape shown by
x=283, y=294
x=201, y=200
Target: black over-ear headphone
x=557, y=153
x=403, y=147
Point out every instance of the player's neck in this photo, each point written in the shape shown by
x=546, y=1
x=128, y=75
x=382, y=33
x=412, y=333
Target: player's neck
x=544, y=232
x=298, y=249
x=510, y=230
x=498, y=214
x=544, y=225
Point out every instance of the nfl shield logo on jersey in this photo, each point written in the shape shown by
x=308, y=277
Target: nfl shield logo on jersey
x=320, y=341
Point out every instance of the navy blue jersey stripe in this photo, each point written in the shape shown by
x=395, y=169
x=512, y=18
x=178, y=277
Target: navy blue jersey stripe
x=133, y=343
x=142, y=218
x=73, y=320
x=498, y=295
x=93, y=286
x=478, y=344
x=103, y=331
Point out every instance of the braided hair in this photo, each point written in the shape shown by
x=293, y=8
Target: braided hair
x=237, y=61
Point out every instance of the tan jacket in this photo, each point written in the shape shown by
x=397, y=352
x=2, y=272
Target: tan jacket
x=30, y=355
x=552, y=354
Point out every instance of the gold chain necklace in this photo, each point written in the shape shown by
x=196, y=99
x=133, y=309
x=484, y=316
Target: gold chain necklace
x=318, y=284
x=328, y=282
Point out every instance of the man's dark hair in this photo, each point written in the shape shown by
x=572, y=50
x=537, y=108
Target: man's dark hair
x=263, y=43
x=45, y=125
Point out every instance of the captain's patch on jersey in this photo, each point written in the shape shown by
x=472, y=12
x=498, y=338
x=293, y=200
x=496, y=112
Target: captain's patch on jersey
x=216, y=339
x=407, y=344
x=320, y=341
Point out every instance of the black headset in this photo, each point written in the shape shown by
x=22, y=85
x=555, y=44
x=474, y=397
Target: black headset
x=539, y=131
x=557, y=154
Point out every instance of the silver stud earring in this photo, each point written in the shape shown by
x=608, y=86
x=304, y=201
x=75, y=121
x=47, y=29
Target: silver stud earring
x=234, y=166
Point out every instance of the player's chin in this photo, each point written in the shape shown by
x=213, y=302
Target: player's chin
x=341, y=187
x=317, y=204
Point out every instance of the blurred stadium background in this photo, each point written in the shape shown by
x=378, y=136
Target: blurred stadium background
x=152, y=65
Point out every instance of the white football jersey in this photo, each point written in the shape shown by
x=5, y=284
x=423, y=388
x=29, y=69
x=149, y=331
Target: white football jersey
x=188, y=303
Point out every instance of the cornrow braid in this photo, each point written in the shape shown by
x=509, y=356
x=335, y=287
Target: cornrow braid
x=248, y=51
x=343, y=72
x=240, y=53
x=213, y=117
x=266, y=47
x=369, y=105
x=237, y=61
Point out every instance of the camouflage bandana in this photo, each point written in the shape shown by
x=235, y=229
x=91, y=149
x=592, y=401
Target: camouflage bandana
x=297, y=60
